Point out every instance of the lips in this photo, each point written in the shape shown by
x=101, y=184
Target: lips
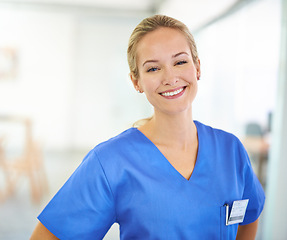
x=173, y=93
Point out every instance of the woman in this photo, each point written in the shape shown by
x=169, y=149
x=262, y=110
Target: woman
x=170, y=178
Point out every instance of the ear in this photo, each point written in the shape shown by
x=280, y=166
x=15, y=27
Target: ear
x=135, y=82
x=198, y=71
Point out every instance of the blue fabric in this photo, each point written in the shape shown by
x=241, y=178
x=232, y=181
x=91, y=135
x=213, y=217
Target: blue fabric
x=128, y=180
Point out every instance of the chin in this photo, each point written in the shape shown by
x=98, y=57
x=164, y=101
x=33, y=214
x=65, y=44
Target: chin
x=177, y=110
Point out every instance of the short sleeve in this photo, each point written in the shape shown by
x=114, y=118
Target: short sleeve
x=84, y=207
x=252, y=191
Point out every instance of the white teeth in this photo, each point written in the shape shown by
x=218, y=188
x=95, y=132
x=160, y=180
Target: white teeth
x=169, y=94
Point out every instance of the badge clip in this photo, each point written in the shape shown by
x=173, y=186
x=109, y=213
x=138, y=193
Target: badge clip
x=237, y=213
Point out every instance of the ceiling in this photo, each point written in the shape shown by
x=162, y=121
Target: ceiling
x=194, y=13
x=114, y=4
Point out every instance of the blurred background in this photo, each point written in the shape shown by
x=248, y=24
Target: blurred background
x=64, y=87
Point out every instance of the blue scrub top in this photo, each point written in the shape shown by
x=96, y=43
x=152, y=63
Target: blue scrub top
x=129, y=181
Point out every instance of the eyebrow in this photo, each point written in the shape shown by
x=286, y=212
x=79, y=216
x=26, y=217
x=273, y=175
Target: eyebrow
x=150, y=61
x=173, y=56
x=180, y=53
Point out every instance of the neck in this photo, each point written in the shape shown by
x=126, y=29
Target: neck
x=171, y=130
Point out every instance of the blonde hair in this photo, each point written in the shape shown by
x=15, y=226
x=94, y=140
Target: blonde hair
x=150, y=24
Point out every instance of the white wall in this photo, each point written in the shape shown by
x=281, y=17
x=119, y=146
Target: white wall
x=239, y=58
x=42, y=89
x=73, y=76
x=275, y=208
x=104, y=101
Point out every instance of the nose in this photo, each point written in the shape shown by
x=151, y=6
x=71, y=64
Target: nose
x=169, y=77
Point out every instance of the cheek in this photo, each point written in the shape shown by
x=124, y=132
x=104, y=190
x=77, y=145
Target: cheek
x=190, y=76
x=148, y=83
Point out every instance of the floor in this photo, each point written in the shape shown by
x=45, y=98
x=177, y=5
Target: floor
x=18, y=213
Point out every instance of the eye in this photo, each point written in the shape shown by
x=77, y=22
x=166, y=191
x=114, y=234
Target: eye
x=152, y=69
x=181, y=62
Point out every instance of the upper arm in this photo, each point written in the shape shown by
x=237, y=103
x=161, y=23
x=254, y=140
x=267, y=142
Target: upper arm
x=247, y=232
x=252, y=190
x=42, y=233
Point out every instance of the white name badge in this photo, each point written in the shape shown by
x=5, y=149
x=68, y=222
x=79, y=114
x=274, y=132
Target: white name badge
x=237, y=212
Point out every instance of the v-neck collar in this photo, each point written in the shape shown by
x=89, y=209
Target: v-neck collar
x=161, y=155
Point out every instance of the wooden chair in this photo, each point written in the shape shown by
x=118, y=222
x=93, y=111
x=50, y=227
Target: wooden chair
x=27, y=165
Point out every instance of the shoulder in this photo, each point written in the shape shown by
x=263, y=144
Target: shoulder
x=118, y=143
x=220, y=140
x=118, y=147
x=112, y=155
x=208, y=131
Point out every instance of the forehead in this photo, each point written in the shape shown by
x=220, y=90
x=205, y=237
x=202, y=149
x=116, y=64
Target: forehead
x=162, y=42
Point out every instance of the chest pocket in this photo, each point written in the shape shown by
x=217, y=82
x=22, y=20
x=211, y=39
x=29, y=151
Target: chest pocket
x=226, y=232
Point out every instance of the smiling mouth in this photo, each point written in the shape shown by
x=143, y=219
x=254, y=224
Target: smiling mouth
x=170, y=94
